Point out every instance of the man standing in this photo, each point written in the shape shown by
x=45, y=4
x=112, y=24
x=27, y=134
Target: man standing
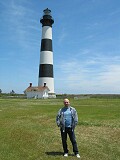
x=67, y=119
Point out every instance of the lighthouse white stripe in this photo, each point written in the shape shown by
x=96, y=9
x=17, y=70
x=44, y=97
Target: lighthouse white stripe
x=49, y=82
x=46, y=32
x=46, y=57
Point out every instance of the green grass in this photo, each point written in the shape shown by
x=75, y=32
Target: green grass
x=28, y=129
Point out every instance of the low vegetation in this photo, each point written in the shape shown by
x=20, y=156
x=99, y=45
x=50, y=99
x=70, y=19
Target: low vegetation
x=28, y=130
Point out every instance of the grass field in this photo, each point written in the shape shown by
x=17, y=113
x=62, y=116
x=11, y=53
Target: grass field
x=28, y=129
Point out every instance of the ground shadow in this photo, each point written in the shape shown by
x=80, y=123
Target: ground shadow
x=53, y=153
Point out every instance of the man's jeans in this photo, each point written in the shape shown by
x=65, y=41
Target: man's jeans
x=71, y=134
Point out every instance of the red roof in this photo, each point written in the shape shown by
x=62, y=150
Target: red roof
x=38, y=88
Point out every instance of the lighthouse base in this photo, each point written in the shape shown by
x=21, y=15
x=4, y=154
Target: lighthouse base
x=49, y=81
x=51, y=95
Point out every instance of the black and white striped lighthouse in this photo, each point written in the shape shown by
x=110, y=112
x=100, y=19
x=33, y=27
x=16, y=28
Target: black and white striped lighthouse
x=46, y=75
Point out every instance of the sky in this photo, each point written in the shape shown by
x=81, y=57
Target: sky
x=86, y=45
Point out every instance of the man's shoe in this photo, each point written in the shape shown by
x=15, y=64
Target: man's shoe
x=77, y=155
x=65, y=154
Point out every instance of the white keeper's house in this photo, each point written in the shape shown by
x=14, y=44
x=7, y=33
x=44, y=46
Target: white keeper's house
x=37, y=92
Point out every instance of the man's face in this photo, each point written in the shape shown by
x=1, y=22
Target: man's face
x=66, y=102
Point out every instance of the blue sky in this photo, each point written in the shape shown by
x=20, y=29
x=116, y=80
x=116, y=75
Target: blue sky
x=86, y=45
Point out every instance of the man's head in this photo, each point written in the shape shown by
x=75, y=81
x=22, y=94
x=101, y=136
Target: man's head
x=66, y=102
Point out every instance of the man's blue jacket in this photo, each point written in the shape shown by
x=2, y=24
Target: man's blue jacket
x=60, y=120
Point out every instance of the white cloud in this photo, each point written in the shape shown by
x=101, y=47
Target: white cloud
x=114, y=12
x=20, y=23
x=96, y=75
x=62, y=36
x=111, y=75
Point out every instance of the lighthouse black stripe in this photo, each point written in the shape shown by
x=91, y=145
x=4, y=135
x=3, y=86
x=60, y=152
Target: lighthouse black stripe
x=47, y=20
x=46, y=45
x=46, y=70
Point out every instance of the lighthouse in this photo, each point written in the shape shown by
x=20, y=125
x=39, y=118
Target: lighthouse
x=46, y=76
